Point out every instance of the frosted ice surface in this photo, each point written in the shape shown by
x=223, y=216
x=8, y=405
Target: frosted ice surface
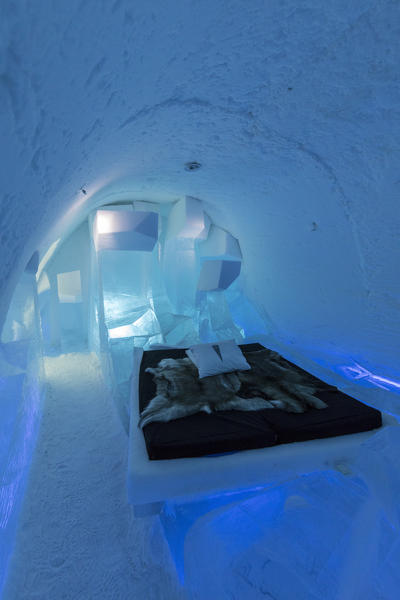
x=15, y=354
x=187, y=220
x=33, y=263
x=125, y=230
x=126, y=279
x=216, y=320
x=43, y=283
x=180, y=274
x=243, y=313
x=220, y=244
x=69, y=287
x=224, y=267
x=147, y=324
x=10, y=394
x=378, y=465
x=218, y=274
x=20, y=322
x=183, y=333
x=291, y=541
x=73, y=332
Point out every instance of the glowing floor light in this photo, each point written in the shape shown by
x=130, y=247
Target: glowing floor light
x=358, y=372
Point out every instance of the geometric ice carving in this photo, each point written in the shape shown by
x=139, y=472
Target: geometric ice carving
x=146, y=325
x=220, y=244
x=69, y=287
x=218, y=274
x=33, y=263
x=220, y=257
x=125, y=230
x=187, y=220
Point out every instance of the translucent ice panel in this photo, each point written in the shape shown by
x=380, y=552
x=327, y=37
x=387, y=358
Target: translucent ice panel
x=218, y=274
x=19, y=323
x=183, y=334
x=216, y=320
x=126, y=281
x=244, y=313
x=220, y=244
x=125, y=230
x=69, y=287
x=48, y=255
x=146, y=325
x=187, y=220
x=180, y=274
x=73, y=333
x=43, y=285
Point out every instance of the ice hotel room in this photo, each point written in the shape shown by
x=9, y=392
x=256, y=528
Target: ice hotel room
x=199, y=300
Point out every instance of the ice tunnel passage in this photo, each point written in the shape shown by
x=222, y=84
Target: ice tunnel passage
x=292, y=111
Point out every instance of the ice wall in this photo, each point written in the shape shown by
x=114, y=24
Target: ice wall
x=21, y=396
x=290, y=107
x=64, y=293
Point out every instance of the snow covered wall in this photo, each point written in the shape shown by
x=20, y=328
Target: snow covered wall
x=291, y=108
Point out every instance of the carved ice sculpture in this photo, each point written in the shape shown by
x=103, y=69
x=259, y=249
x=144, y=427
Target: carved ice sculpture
x=220, y=244
x=218, y=274
x=186, y=224
x=125, y=230
x=220, y=257
x=187, y=220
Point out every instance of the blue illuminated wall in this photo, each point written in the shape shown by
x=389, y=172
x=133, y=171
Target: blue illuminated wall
x=21, y=397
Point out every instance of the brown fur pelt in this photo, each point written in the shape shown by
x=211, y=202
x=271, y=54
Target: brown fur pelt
x=272, y=382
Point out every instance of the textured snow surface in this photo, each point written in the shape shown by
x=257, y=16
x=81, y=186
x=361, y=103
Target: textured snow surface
x=77, y=538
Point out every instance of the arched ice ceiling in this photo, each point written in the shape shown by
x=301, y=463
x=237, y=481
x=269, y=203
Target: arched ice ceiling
x=291, y=106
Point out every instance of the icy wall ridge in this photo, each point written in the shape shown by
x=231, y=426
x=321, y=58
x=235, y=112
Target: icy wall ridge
x=291, y=107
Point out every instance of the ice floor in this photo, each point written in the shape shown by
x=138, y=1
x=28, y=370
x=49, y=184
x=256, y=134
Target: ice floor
x=327, y=534
x=77, y=538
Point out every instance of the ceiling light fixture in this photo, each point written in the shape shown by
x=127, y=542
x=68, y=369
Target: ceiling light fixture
x=192, y=166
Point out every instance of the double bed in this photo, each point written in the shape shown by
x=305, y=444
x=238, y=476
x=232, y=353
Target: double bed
x=225, y=451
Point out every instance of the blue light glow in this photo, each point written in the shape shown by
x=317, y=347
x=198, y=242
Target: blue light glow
x=178, y=518
x=358, y=372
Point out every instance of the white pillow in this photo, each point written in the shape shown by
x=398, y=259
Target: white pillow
x=221, y=357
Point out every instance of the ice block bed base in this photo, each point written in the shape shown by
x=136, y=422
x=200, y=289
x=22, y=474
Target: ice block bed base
x=181, y=459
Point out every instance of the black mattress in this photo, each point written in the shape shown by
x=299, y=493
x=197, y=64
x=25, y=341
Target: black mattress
x=230, y=431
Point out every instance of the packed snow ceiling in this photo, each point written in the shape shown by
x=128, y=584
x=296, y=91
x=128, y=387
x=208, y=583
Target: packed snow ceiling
x=291, y=108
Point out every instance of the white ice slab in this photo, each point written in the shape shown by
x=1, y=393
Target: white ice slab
x=125, y=230
x=187, y=220
x=151, y=481
x=220, y=244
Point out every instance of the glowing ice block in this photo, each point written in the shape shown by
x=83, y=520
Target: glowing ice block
x=220, y=244
x=218, y=274
x=187, y=220
x=125, y=230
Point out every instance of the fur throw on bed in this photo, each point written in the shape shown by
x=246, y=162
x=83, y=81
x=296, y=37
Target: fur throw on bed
x=272, y=382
